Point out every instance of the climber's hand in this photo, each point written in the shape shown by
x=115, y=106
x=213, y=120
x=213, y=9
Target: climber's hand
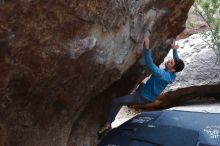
x=173, y=45
x=146, y=43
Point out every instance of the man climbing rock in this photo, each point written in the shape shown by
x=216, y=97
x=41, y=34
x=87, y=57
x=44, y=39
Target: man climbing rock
x=149, y=91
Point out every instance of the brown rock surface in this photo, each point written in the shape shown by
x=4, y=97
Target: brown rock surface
x=62, y=62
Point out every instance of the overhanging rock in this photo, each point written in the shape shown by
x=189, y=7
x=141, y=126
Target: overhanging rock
x=62, y=61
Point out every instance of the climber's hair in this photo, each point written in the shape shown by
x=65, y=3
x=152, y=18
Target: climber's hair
x=179, y=65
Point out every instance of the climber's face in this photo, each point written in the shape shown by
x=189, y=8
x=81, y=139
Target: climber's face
x=170, y=65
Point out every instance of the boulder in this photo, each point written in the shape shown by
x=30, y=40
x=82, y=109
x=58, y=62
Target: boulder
x=63, y=61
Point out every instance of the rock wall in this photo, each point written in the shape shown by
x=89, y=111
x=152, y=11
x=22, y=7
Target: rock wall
x=62, y=61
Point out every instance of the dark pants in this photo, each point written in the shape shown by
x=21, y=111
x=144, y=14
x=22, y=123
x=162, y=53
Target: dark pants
x=117, y=103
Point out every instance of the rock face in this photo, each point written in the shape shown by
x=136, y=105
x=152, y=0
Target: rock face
x=62, y=62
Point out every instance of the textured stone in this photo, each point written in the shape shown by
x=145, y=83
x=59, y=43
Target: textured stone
x=62, y=62
x=79, y=47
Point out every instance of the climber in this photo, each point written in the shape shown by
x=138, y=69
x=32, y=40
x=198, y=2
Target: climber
x=148, y=92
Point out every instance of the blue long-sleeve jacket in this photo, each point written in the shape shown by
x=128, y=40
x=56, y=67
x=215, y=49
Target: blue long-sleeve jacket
x=159, y=79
